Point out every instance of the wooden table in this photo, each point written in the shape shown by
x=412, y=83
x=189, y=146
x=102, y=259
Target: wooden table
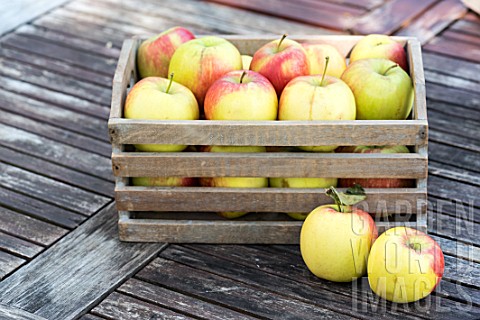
x=59, y=253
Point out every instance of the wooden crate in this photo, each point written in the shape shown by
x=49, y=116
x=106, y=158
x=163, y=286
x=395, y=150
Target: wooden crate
x=186, y=214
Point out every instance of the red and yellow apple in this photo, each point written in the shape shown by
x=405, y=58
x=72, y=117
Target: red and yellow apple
x=156, y=98
x=382, y=90
x=379, y=46
x=241, y=95
x=154, y=54
x=317, y=97
x=199, y=62
x=375, y=182
x=316, y=54
x=404, y=265
x=164, y=181
x=234, y=182
x=301, y=183
x=280, y=61
x=335, y=244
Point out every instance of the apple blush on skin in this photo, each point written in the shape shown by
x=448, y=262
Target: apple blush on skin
x=154, y=54
x=405, y=265
x=241, y=95
x=280, y=61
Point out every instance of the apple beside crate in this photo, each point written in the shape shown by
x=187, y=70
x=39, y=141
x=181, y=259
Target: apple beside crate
x=187, y=214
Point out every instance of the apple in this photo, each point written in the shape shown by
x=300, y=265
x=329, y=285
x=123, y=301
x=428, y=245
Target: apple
x=379, y=46
x=164, y=181
x=316, y=54
x=280, y=61
x=234, y=182
x=155, y=98
x=375, y=182
x=382, y=90
x=335, y=240
x=154, y=54
x=246, y=60
x=317, y=97
x=404, y=265
x=301, y=183
x=199, y=62
x=241, y=95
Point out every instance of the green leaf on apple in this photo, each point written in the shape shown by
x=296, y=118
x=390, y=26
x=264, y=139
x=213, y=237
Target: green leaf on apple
x=352, y=196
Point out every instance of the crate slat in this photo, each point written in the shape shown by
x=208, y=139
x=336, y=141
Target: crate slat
x=205, y=199
x=267, y=164
x=268, y=133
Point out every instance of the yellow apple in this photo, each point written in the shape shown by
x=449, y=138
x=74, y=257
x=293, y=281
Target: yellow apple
x=301, y=183
x=164, y=181
x=404, y=265
x=199, y=62
x=316, y=54
x=234, y=182
x=335, y=244
x=155, y=98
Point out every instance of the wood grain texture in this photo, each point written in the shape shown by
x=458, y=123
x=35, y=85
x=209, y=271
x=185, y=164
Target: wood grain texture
x=434, y=20
x=399, y=13
x=205, y=199
x=19, y=247
x=12, y=313
x=51, y=288
x=268, y=133
x=454, y=67
x=458, y=49
x=8, y=263
x=183, y=303
x=269, y=164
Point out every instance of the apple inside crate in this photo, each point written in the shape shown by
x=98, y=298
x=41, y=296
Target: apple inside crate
x=189, y=214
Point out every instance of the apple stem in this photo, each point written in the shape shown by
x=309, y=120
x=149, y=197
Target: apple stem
x=170, y=83
x=243, y=75
x=390, y=68
x=333, y=193
x=415, y=246
x=281, y=40
x=327, y=58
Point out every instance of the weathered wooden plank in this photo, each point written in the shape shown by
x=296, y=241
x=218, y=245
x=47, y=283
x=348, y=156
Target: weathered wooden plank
x=458, y=249
x=454, y=140
x=458, y=174
x=456, y=126
x=455, y=227
x=55, y=133
x=67, y=119
x=18, y=12
x=55, y=81
x=454, y=190
x=458, y=36
x=57, y=172
x=458, y=49
x=257, y=199
x=269, y=164
x=452, y=81
x=58, y=193
x=56, y=152
x=122, y=307
x=214, y=17
x=57, y=98
x=72, y=42
x=457, y=157
x=12, y=313
x=90, y=316
x=268, y=133
x=454, y=67
x=8, y=263
x=461, y=97
x=465, y=272
x=399, y=13
x=183, y=303
x=50, y=287
x=457, y=111
x=327, y=15
x=255, y=300
x=467, y=26
x=18, y=246
x=433, y=21
x=29, y=228
x=73, y=56
x=39, y=209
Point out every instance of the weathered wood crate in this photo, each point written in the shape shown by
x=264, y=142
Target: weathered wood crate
x=187, y=214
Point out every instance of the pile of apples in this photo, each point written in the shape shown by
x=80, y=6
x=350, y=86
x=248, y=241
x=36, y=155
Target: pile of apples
x=185, y=78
